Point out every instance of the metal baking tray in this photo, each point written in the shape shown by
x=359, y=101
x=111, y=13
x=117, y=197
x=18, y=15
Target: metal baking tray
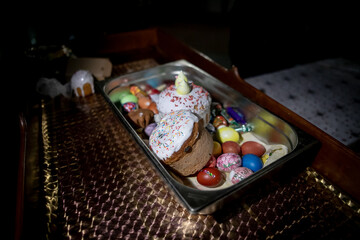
x=267, y=128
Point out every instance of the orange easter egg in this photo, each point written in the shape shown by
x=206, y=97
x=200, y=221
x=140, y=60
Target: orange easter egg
x=144, y=102
x=217, y=149
x=153, y=108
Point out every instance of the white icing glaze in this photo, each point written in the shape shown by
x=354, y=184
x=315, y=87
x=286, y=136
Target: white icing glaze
x=79, y=79
x=171, y=133
x=197, y=101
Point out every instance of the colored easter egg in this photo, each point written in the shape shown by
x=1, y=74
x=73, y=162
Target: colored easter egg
x=128, y=98
x=116, y=96
x=238, y=174
x=228, y=161
x=148, y=130
x=153, y=91
x=135, y=90
x=211, y=162
x=216, y=149
x=209, y=177
x=153, y=108
x=252, y=147
x=231, y=147
x=252, y=162
x=225, y=134
x=144, y=102
x=219, y=121
x=129, y=106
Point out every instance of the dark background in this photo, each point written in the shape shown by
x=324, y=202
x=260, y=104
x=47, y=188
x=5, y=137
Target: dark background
x=256, y=37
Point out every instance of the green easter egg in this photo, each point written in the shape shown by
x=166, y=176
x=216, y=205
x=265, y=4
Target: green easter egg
x=128, y=98
x=115, y=97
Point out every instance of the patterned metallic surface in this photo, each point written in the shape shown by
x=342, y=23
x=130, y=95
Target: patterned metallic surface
x=98, y=184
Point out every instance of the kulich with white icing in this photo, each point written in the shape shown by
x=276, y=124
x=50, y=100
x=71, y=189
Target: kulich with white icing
x=172, y=132
x=198, y=100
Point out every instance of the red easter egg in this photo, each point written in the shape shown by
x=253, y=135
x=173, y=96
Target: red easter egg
x=252, y=147
x=219, y=121
x=211, y=162
x=209, y=177
x=231, y=147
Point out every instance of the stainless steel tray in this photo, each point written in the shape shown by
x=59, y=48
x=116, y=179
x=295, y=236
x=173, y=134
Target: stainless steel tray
x=268, y=128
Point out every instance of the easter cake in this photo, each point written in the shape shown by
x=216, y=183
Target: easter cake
x=181, y=141
x=184, y=95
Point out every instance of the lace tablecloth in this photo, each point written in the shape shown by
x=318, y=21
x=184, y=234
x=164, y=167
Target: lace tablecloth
x=326, y=93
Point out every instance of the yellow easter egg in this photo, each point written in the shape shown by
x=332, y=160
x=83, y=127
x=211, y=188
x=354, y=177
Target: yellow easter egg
x=225, y=134
x=217, y=149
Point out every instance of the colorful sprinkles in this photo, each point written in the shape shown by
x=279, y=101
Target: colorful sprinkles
x=171, y=133
x=209, y=173
x=198, y=100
